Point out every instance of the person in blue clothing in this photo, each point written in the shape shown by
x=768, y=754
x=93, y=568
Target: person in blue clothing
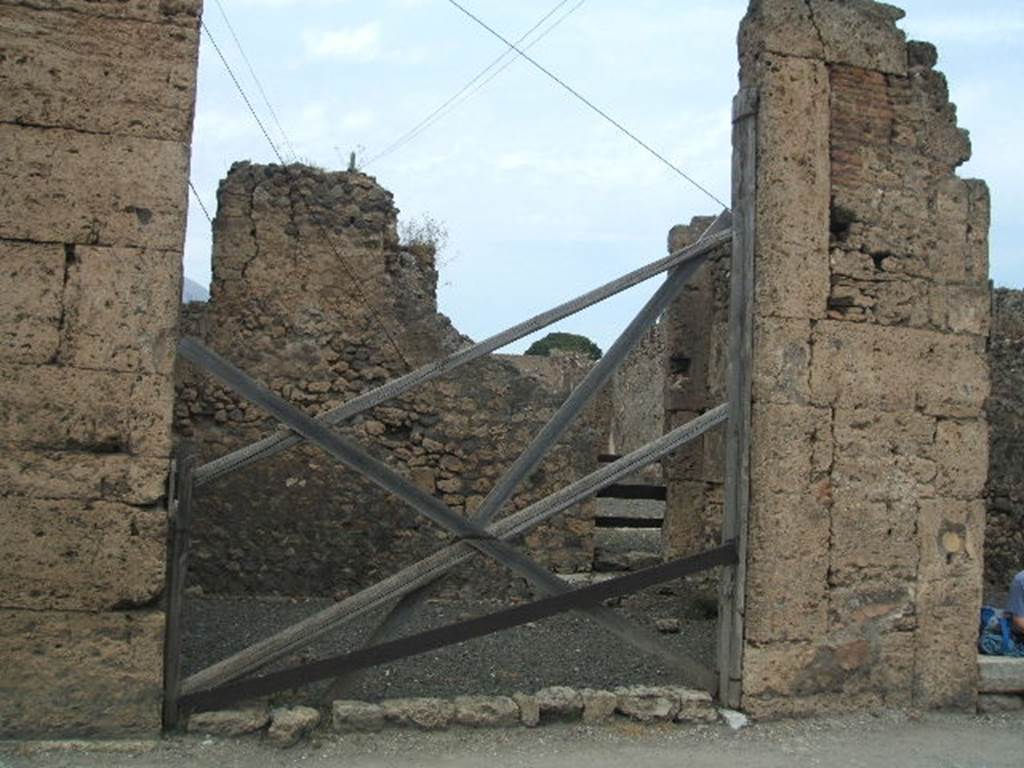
x=1015, y=605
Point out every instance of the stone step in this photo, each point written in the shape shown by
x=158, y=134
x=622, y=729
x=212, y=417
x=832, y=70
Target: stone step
x=628, y=539
x=626, y=549
x=1000, y=674
x=632, y=509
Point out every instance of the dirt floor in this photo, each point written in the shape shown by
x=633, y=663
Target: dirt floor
x=887, y=740
x=562, y=650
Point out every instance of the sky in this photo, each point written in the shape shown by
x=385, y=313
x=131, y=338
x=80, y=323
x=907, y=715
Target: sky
x=541, y=198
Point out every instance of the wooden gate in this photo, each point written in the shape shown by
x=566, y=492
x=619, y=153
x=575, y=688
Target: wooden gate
x=234, y=678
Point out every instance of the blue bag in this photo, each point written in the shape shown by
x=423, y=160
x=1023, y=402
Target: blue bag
x=996, y=636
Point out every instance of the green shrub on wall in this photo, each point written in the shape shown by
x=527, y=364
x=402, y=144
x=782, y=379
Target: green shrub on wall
x=565, y=342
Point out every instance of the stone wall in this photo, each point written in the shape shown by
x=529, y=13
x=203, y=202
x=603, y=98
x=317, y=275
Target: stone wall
x=696, y=341
x=314, y=295
x=637, y=399
x=871, y=318
x=1004, y=530
x=96, y=103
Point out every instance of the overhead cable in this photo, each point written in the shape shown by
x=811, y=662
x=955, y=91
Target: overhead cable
x=591, y=105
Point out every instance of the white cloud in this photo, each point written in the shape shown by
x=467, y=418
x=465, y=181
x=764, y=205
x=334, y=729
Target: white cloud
x=361, y=43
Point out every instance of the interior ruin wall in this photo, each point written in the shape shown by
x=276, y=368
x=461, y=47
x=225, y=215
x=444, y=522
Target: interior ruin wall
x=871, y=319
x=1004, y=528
x=314, y=295
x=95, y=127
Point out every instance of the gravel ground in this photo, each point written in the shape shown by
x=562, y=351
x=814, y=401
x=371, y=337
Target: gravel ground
x=563, y=650
x=865, y=741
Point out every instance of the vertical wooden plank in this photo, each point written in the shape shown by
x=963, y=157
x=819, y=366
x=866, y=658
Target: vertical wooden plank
x=180, y=509
x=737, y=477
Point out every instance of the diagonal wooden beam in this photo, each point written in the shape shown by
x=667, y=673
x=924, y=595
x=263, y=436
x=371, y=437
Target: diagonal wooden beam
x=284, y=439
x=431, y=567
x=531, y=457
x=355, y=458
x=591, y=596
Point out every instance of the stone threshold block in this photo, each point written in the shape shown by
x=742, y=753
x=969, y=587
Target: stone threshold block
x=999, y=674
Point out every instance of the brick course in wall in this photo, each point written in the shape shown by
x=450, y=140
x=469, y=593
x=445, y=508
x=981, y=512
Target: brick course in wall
x=96, y=103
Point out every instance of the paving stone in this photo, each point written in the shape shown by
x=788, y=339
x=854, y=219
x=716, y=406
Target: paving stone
x=559, y=703
x=485, y=711
x=288, y=725
x=598, y=706
x=228, y=722
x=426, y=713
x=351, y=716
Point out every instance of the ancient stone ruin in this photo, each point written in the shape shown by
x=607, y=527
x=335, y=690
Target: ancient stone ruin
x=314, y=294
x=863, y=545
x=95, y=128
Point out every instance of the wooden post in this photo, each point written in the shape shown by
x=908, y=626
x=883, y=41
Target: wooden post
x=180, y=518
x=737, y=467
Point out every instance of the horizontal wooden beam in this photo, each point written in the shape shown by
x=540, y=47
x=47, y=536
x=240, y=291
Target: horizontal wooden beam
x=577, y=599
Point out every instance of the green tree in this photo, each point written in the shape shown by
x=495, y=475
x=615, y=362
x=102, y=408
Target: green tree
x=566, y=342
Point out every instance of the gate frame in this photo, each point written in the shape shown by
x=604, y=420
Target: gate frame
x=224, y=685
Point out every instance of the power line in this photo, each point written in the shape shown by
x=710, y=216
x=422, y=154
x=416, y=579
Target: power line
x=430, y=119
x=252, y=73
x=356, y=283
x=241, y=91
x=664, y=160
x=199, y=200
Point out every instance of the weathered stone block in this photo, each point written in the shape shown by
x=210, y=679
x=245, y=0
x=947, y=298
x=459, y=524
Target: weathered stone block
x=682, y=530
x=782, y=359
x=67, y=555
x=598, y=706
x=121, y=309
x=485, y=711
x=137, y=480
x=351, y=716
x=793, y=189
x=558, y=703
x=229, y=722
x=787, y=574
x=289, y=725
x=177, y=12
x=529, y=709
x=946, y=670
x=869, y=606
x=91, y=72
x=32, y=284
x=792, y=448
x=871, y=540
x=43, y=197
x=80, y=673
x=1000, y=674
x=961, y=458
x=861, y=32
x=952, y=537
x=647, y=704
x=883, y=456
x=98, y=411
x=889, y=368
x=774, y=669
x=425, y=713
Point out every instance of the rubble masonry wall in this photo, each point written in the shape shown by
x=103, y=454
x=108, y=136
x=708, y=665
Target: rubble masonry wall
x=871, y=319
x=314, y=295
x=1004, y=528
x=96, y=102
